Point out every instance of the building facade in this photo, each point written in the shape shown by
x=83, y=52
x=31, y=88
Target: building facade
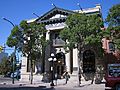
x=54, y=21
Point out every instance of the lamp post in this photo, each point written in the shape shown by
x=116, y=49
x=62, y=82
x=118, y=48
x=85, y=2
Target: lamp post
x=52, y=59
x=8, y=21
x=14, y=56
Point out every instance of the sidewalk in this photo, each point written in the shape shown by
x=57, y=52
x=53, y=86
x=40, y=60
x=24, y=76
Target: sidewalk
x=60, y=83
x=72, y=84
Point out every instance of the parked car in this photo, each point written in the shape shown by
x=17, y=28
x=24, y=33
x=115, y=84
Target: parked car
x=8, y=74
x=113, y=76
x=17, y=74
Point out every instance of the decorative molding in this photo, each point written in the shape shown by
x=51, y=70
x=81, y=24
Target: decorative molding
x=55, y=26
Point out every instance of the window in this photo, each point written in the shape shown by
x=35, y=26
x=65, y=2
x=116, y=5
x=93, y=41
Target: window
x=111, y=46
x=114, y=70
x=57, y=36
x=88, y=62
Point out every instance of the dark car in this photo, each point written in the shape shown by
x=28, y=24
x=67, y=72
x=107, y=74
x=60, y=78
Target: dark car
x=112, y=76
x=8, y=74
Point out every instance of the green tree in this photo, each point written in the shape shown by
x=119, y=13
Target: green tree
x=1, y=49
x=15, y=37
x=36, y=33
x=83, y=30
x=35, y=46
x=113, y=21
x=5, y=66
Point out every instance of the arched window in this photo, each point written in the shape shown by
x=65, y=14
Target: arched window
x=61, y=56
x=111, y=46
x=88, y=61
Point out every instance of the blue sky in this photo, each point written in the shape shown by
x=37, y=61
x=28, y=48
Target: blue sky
x=18, y=10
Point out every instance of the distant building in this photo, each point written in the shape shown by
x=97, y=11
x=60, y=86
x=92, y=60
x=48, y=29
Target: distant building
x=2, y=55
x=111, y=55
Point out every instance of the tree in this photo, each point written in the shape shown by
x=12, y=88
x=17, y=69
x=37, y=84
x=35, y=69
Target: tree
x=1, y=49
x=113, y=21
x=5, y=66
x=36, y=32
x=35, y=46
x=15, y=37
x=29, y=38
x=83, y=30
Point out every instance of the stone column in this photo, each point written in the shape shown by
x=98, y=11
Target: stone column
x=24, y=73
x=75, y=59
x=48, y=35
x=67, y=55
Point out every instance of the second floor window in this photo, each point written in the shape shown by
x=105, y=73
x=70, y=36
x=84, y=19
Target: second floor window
x=111, y=46
x=57, y=36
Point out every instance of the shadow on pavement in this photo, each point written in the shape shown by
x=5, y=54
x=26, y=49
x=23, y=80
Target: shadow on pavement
x=109, y=89
x=101, y=83
x=27, y=88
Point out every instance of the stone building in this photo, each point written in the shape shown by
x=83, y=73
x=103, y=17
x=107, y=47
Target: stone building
x=54, y=21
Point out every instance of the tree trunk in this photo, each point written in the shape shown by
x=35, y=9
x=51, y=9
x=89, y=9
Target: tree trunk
x=31, y=71
x=43, y=59
x=79, y=64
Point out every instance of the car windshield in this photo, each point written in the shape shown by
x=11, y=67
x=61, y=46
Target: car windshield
x=114, y=70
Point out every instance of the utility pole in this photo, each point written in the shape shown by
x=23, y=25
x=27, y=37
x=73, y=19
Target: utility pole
x=14, y=54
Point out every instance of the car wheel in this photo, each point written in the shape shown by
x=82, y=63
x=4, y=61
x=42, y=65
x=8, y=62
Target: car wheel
x=117, y=87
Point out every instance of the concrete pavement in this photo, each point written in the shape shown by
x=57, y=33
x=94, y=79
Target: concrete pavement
x=72, y=84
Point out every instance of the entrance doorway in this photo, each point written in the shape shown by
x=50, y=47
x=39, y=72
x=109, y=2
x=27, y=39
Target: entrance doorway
x=88, y=62
x=60, y=64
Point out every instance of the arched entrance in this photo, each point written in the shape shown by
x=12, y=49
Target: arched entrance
x=60, y=64
x=88, y=62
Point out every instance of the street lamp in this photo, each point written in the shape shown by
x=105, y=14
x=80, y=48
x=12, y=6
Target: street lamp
x=14, y=56
x=52, y=59
x=8, y=21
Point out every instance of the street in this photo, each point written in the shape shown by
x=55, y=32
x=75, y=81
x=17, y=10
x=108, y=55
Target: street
x=6, y=83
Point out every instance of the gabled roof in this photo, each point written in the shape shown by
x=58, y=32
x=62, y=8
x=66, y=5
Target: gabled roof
x=54, y=11
x=58, y=15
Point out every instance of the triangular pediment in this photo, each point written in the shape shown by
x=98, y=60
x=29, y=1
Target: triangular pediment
x=55, y=13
